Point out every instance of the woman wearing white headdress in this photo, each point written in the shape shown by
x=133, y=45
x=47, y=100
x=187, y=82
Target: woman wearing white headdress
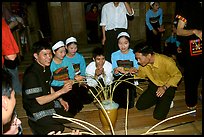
x=124, y=62
x=154, y=27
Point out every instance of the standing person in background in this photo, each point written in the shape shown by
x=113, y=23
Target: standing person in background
x=12, y=65
x=92, y=23
x=154, y=27
x=113, y=21
x=10, y=48
x=189, y=31
x=124, y=62
x=171, y=43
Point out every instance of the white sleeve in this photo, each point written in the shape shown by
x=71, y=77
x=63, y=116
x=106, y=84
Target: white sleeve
x=103, y=16
x=109, y=73
x=90, y=72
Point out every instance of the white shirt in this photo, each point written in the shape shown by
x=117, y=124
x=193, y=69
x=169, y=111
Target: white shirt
x=114, y=17
x=90, y=73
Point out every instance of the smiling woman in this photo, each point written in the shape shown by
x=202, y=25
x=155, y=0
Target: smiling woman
x=124, y=63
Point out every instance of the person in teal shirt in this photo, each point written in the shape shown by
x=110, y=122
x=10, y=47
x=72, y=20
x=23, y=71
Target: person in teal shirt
x=172, y=44
x=124, y=62
x=78, y=62
x=63, y=72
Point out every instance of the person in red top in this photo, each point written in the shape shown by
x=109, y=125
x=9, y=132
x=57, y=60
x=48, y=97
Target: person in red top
x=92, y=24
x=9, y=45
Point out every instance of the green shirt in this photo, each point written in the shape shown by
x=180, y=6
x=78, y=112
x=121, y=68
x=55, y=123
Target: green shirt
x=163, y=72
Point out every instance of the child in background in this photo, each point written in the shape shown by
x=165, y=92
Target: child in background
x=172, y=44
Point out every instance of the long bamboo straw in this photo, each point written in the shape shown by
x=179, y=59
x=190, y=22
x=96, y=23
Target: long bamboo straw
x=126, y=112
x=170, y=119
x=104, y=112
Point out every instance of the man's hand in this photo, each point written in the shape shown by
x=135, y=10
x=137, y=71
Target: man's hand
x=160, y=91
x=69, y=81
x=64, y=104
x=76, y=132
x=67, y=87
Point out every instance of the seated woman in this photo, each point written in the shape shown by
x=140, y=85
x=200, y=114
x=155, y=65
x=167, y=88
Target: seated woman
x=78, y=62
x=63, y=72
x=124, y=62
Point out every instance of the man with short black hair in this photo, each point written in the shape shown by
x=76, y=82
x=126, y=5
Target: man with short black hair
x=163, y=76
x=39, y=98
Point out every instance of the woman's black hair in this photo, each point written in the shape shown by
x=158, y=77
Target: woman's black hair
x=143, y=48
x=7, y=86
x=153, y=4
x=92, y=7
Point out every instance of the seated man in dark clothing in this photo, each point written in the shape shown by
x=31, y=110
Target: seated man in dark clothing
x=40, y=101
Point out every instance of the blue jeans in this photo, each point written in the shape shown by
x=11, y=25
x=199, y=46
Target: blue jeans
x=15, y=80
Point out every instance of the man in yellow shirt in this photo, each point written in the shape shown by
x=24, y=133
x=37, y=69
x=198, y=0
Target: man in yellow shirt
x=163, y=76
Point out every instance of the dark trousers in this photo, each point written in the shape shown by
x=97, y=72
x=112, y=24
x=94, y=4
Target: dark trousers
x=170, y=50
x=148, y=99
x=111, y=43
x=193, y=71
x=76, y=98
x=73, y=99
x=47, y=124
x=120, y=93
x=154, y=40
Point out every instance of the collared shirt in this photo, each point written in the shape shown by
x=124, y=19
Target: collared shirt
x=163, y=72
x=90, y=73
x=114, y=17
x=36, y=83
